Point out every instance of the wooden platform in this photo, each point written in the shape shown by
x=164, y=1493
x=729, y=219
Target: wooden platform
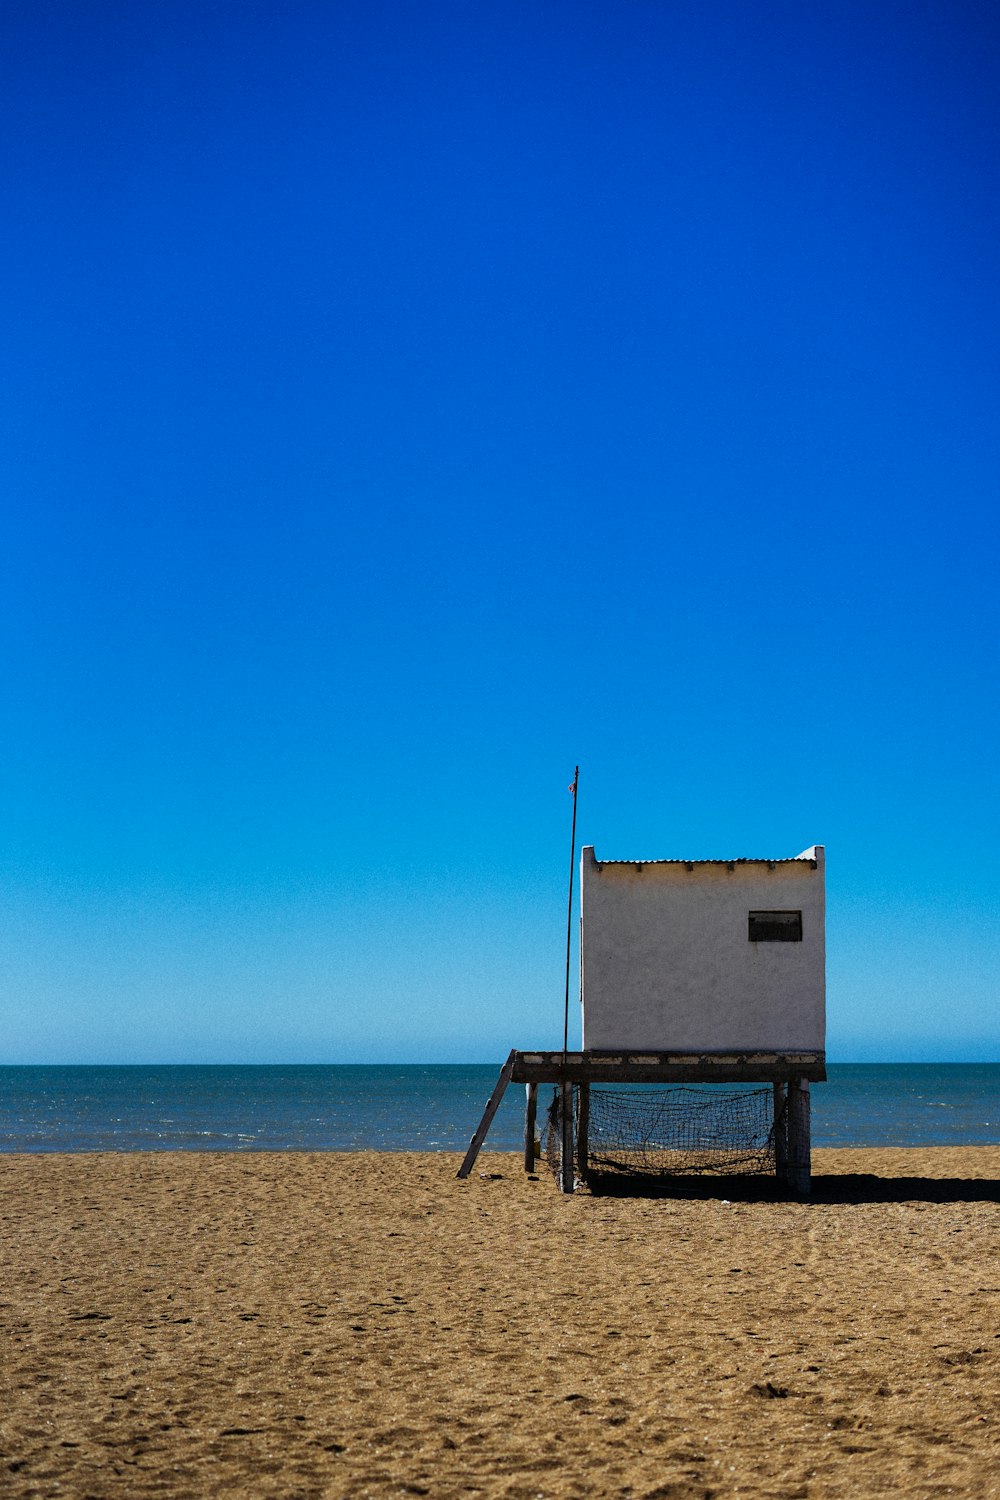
x=667, y=1067
x=790, y=1073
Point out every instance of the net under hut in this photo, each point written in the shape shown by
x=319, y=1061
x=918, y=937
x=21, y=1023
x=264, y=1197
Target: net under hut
x=667, y=1132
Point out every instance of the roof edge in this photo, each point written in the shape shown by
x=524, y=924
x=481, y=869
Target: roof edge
x=815, y=855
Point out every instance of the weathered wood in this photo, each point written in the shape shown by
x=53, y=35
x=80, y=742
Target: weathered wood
x=781, y=1133
x=530, y=1111
x=583, y=1129
x=798, y=1172
x=567, y=1163
x=492, y=1105
x=669, y=1067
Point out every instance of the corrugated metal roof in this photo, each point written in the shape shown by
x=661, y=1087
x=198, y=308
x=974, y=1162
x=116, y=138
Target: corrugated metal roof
x=794, y=859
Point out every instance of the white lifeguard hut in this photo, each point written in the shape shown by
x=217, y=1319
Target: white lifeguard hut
x=704, y=955
x=692, y=971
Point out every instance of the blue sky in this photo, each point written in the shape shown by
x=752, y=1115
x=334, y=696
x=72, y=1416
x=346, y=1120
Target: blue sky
x=405, y=402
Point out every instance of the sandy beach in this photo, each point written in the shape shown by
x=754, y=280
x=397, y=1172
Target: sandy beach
x=305, y=1325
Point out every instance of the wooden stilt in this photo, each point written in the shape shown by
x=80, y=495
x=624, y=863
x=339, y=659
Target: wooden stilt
x=799, y=1143
x=530, y=1110
x=567, y=1164
x=492, y=1105
x=583, y=1129
x=781, y=1134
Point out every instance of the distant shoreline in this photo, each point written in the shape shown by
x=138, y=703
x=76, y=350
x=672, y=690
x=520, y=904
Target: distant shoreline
x=345, y=1107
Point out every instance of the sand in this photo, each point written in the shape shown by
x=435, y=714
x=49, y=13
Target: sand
x=363, y=1324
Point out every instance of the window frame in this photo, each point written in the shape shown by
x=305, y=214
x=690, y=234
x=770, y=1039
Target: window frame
x=781, y=932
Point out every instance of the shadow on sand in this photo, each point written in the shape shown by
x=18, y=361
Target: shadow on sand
x=846, y=1187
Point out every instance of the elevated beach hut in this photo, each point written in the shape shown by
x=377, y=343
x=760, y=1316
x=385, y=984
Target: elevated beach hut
x=693, y=971
x=704, y=955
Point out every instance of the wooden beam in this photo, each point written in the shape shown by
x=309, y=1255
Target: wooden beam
x=583, y=1130
x=799, y=1169
x=567, y=1162
x=669, y=1067
x=781, y=1133
x=530, y=1111
x=492, y=1105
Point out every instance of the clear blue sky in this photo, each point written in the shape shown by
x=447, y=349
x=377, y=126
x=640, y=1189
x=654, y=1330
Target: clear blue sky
x=405, y=401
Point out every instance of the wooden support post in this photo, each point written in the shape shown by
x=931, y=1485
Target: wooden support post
x=781, y=1134
x=583, y=1129
x=492, y=1105
x=530, y=1110
x=567, y=1164
x=799, y=1143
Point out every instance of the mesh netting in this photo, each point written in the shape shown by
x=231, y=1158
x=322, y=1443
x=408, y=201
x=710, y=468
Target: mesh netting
x=673, y=1131
x=681, y=1130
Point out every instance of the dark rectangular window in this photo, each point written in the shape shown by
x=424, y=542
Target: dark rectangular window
x=775, y=927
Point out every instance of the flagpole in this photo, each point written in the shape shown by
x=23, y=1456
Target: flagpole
x=569, y=914
x=565, y=1093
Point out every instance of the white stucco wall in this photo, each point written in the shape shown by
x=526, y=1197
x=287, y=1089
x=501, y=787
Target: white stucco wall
x=667, y=963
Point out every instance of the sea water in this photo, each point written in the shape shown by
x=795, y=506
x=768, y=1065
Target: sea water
x=424, y=1108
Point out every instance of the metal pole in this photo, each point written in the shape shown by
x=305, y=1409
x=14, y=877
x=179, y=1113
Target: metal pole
x=569, y=915
x=567, y=1163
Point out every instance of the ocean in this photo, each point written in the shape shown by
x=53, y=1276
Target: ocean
x=424, y=1108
